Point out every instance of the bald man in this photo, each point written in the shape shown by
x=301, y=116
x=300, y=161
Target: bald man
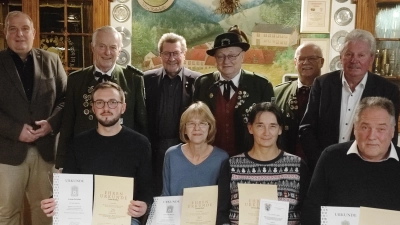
x=292, y=96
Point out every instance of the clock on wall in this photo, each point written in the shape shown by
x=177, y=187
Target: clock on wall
x=155, y=5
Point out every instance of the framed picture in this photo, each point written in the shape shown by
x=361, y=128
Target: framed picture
x=315, y=16
x=323, y=43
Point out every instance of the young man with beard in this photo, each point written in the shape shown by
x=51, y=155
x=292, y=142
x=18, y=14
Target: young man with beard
x=111, y=149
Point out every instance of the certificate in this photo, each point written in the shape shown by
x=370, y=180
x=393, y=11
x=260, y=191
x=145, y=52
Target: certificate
x=73, y=194
x=112, y=197
x=199, y=205
x=165, y=211
x=339, y=215
x=249, y=201
x=273, y=212
x=372, y=216
x=315, y=16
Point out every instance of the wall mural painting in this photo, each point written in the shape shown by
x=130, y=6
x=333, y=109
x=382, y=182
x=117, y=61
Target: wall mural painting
x=272, y=27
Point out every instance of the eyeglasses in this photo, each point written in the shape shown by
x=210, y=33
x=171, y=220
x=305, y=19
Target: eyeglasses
x=192, y=125
x=221, y=58
x=311, y=59
x=167, y=55
x=112, y=104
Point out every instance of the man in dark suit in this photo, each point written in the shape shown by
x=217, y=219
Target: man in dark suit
x=78, y=116
x=168, y=93
x=334, y=96
x=32, y=88
x=292, y=96
x=231, y=91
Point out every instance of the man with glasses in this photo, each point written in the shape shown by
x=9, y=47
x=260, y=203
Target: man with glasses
x=32, y=89
x=292, y=96
x=231, y=91
x=111, y=149
x=168, y=93
x=78, y=116
x=334, y=97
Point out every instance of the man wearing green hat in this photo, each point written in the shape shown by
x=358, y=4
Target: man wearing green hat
x=231, y=91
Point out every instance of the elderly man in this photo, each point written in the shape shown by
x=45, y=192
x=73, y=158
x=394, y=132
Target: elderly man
x=32, y=87
x=168, y=93
x=231, y=91
x=111, y=149
x=292, y=96
x=364, y=172
x=334, y=96
x=78, y=116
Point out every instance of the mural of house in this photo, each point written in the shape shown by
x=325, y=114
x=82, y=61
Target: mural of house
x=274, y=35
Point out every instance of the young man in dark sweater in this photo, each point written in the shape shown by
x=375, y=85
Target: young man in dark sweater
x=364, y=172
x=111, y=149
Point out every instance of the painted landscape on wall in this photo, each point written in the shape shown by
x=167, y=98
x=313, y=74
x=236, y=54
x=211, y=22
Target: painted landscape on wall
x=272, y=27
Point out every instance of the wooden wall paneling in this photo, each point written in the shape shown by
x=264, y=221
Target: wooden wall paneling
x=32, y=9
x=101, y=13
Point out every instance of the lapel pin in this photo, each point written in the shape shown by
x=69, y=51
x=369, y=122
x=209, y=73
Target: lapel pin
x=211, y=95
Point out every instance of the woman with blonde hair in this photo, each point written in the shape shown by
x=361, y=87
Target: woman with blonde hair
x=196, y=162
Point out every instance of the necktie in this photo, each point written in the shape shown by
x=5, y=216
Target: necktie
x=227, y=89
x=102, y=77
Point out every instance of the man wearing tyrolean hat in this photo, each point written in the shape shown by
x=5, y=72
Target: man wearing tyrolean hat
x=231, y=91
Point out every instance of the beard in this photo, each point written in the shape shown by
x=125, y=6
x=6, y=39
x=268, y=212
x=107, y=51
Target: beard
x=109, y=123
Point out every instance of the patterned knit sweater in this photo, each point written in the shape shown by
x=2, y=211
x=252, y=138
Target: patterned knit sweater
x=287, y=171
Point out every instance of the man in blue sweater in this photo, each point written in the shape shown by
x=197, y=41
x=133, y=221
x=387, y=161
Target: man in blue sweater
x=364, y=172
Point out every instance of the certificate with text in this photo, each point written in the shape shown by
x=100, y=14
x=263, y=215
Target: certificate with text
x=273, y=212
x=73, y=194
x=199, y=205
x=112, y=197
x=166, y=210
x=332, y=215
x=249, y=201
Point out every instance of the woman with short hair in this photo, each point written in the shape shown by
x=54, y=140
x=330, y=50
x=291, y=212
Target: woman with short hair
x=195, y=163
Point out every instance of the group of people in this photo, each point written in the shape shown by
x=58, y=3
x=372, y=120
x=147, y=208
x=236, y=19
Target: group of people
x=171, y=128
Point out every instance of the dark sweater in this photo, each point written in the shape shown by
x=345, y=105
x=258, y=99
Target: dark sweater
x=126, y=154
x=347, y=180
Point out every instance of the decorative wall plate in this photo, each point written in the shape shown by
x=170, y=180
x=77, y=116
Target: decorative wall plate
x=126, y=36
x=341, y=1
x=121, y=13
x=338, y=40
x=335, y=64
x=155, y=5
x=123, y=1
x=343, y=16
x=123, y=58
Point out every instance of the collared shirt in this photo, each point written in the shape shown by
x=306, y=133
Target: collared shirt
x=354, y=150
x=348, y=107
x=170, y=106
x=107, y=73
x=235, y=81
x=299, y=84
x=25, y=70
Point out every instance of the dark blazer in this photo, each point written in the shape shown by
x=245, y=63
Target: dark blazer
x=284, y=94
x=319, y=127
x=15, y=110
x=152, y=80
x=78, y=115
x=258, y=88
